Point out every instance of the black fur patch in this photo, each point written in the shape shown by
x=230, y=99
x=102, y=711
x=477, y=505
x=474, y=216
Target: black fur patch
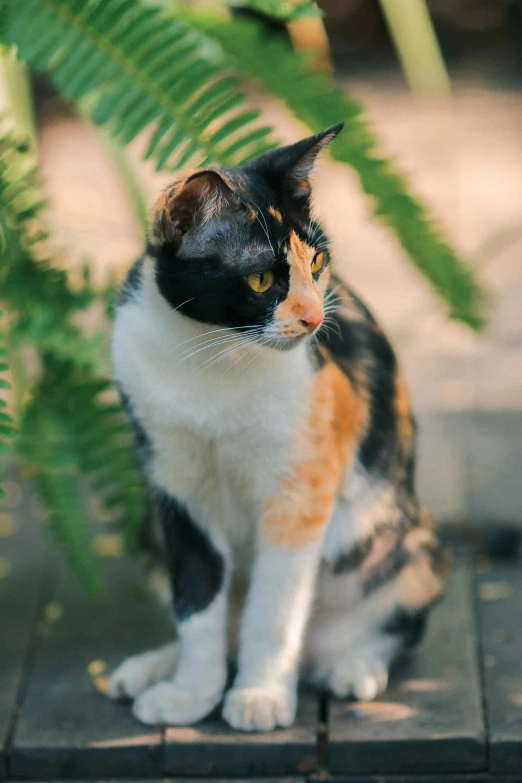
x=132, y=283
x=354, y=558
x=360, y=343
x=316, y=357
x=408, y=624
x=386, y=570
x=142, y=442
x=196, y=567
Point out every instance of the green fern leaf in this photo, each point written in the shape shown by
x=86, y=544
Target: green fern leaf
x=132, y=66
x=7, y=429
x=45, y=446
x=74, y=440
x=75, y=443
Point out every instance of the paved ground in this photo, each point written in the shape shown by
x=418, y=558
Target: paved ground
x=465, y=159
x=455, y=707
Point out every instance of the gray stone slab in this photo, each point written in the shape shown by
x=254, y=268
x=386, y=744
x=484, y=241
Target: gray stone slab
x=23, y=543
x=431, y=718
x=212, y=749
x=480, y=777
x=469, y=465
x=500, y=613
x=68, y=729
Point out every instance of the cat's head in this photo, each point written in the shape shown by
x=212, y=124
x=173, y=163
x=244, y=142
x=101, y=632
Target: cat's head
x=238, y=247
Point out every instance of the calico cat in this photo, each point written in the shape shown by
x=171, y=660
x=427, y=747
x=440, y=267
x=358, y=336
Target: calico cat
x=275, y=435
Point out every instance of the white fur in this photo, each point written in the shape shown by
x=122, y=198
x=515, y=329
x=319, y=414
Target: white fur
x=222, y=433
x=140, y=671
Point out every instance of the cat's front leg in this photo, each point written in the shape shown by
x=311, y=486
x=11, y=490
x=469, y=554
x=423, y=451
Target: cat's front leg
x=264, y=694
x=199, y=580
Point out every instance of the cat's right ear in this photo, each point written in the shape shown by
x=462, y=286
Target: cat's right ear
x=192, y=201
x=292, y=165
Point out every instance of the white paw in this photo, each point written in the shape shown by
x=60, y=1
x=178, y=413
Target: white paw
x=136, y=674
x=362, y=678
x=166, y=703
x=256, y=709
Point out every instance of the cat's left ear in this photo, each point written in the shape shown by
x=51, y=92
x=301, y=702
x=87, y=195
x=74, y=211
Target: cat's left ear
x=293, y=164
x=191, y=201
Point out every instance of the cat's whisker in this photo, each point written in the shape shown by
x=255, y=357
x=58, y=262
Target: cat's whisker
x=211, y=331
x=174, y=309
x=264, y=227
x=284, y=239
x=231, y=344
x=317, y=229
x=261, y=343
x=207, y=346
x=228, y=350
x=230, y=333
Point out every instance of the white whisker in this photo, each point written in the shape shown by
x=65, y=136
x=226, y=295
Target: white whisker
x=265, y=227
x=181, y=305
x=212, y=331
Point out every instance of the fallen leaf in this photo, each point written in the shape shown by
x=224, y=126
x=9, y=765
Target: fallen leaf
x=494, y=591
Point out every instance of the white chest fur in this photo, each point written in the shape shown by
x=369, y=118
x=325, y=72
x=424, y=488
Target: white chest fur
x=221, y=436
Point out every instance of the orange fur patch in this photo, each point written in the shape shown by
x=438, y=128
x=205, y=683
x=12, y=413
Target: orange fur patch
x=423, y=580
x=276, y=214
x=404, y=422
x=304, y=295
x=324, y=450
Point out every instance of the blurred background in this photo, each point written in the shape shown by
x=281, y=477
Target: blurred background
x=460, y=146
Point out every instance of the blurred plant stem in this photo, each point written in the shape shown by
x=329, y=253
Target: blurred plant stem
x=417, y=47
x=309, y=35
x=16, y=96
x=17, y=103
x=130, y=180
x=134, y=190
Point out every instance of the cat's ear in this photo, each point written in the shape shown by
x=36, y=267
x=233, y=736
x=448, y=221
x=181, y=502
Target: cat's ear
x=293, y=164
x=195, y=200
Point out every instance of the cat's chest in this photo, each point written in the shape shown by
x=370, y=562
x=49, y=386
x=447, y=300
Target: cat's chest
x=219, y=441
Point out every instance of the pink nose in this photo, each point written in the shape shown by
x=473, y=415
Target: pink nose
x=312, y=321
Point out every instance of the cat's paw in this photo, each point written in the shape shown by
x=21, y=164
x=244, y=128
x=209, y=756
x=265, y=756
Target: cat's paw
x=166, y=703
x=136, y=674
x=361, y=678
x=257, y=709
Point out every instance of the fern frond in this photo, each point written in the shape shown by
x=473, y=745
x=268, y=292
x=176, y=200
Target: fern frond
x=53, y=465
x=37, y=294
x=75, y=442
x=132, y=66
x=7, y=429
x=72, y=440
x=316, y=100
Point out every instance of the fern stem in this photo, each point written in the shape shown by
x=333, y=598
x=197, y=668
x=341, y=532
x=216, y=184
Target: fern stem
x=19, y=380
x=417, y=47
x=309, y=35
x=131, y=182
x=17, y=90
x=14, y=77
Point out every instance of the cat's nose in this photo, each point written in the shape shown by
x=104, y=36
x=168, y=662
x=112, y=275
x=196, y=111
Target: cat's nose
x=312, y=321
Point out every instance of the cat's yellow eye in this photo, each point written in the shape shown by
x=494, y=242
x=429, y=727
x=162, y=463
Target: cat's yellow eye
x=318, y=262
x=261, y=281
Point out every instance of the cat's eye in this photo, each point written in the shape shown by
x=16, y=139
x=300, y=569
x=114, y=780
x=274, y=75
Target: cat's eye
x=261, y=281
x=318, y=262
